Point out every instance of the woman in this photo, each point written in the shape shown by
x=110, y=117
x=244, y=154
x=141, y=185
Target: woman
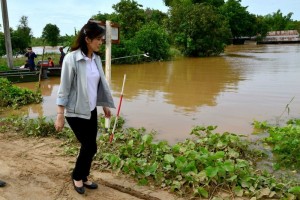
x=83, y=87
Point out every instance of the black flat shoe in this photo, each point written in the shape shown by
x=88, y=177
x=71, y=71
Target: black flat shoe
x=2, y=183
x=80, y=190
x=91, y=186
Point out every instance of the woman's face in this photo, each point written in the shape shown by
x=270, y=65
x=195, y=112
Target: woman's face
x=94, y=44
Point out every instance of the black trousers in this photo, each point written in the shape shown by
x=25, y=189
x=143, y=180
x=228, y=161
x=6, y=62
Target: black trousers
x=86, y=132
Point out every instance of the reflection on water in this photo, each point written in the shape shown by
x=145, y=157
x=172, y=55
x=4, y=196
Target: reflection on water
x=247, y=82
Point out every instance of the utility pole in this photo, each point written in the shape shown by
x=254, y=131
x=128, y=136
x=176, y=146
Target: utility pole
x=7, y=34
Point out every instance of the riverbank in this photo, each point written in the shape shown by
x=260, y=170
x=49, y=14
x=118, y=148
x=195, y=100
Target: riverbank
x=35, y=168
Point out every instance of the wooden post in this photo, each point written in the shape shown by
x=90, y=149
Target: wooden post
x=7, y=34
x=108, y=52
x=108, y=62
x=41, y=68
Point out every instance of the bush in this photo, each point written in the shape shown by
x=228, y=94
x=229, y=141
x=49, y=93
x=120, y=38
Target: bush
x=13, y=96
x=153, y=39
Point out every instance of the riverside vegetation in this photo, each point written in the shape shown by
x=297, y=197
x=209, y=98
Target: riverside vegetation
x=194, y=28
x=19, y=61
x=201, y=167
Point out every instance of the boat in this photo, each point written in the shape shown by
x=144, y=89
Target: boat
x=54, y=71
x=51, y=71
x=20, y=75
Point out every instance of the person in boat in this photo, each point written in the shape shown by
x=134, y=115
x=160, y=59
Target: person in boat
x=50, y=62
x=26, y=65
x=62, y=55
x=31, y=56
x=83, y=87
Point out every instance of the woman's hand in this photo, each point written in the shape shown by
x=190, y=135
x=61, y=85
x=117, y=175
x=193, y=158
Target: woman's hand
x=107, y=112
x=60, y=122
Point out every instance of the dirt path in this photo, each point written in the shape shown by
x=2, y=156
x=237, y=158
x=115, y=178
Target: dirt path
x=34, y=168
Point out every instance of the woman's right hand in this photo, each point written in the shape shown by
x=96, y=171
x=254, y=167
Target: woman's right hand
x=60, y=122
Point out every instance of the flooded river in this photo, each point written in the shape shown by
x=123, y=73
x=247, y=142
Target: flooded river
x=246, y=83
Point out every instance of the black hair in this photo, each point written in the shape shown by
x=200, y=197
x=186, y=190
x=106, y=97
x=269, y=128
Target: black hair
x=91, y=30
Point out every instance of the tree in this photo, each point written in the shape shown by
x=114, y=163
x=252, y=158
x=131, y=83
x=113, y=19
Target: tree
x=113, y=17
x=153, y=39
x=156, y=16
x=277, y=21
x=171, y=3
x=51, y=34
x=2, y=44
x=130, y=17
x=21, y=38
x=261, y=28
x=140, y=31
x=198, y=29
x=241, y=22
x=215, y=3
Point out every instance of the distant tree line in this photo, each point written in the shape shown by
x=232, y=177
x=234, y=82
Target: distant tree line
x=193, y=27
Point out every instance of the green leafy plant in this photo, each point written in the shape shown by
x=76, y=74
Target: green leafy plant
x=195, y=168
x=285, y=143
x=13, y=96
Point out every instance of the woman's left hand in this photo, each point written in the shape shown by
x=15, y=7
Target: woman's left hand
x=107, y=112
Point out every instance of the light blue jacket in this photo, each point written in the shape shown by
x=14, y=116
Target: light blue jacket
x=72, y=92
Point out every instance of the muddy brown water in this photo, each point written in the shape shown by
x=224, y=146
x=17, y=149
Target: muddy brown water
x=246, y=83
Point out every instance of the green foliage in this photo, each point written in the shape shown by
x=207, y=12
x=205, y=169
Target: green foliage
x=261, y=28
x=297, y=26
x=2, y=44
x=3, y=66
x=141, y=35
x=67, y=40
x=51, y=34
x=190, y=168
x=126, y=47
x=101, y=123
x=21, y=38
x=130, y=17
x=155, y=16
x=153, y=39
x=241, y=22
x=198, y=29
x=13, y=96
x=215, y=3
x=194, y=168
x=277, y=21
x=38, y=127
x=285, y=143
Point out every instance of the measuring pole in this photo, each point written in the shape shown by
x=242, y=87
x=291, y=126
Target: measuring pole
x=108, y=62
x=7, y=34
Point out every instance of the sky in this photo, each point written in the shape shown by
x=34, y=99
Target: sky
x=69, y=15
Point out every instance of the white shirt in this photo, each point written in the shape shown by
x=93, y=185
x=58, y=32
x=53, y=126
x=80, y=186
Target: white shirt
x=93, y=78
